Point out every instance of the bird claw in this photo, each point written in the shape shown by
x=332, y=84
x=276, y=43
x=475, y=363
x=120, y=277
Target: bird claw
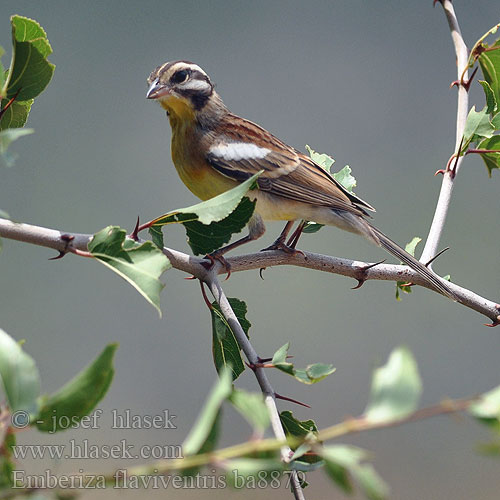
x=280, y=245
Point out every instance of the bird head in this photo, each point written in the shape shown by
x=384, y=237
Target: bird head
x=181, y=87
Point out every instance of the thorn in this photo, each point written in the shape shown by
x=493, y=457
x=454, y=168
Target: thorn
x=251, y=366
x=205, y=298
x=135, y=233
x=440, y=171
x=496, y=322
x=190, y=278
x=362, y=270
x=466, y=85
x=214, y=256
x=67, y=239
x=261, y=270
x=60, y=256
x=436, y=256
x=284, y=398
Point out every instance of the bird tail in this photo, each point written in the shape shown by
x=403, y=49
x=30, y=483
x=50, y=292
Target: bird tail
x=387, y=244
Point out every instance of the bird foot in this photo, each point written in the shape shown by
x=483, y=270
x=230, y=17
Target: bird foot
x=281, y=245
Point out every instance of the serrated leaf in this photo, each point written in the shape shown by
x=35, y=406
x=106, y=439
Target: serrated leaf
x=477, y=126
x=208, y=415
x=139, y=264
x=252, y=407
x=342, y=461
x=16, y=115
x=491, y=102
x=30, y=71
x=345, y=178
x=490, y=66
x=79, y=396
x=6, y=138
x=491, y=160
x=310, y=375
x=225, y=348
x=211, y=223
x=19, y=375
x=412, y=245
x=322, y=159
x=396, y=388
x=295, y=427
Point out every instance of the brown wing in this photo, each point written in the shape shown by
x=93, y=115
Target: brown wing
x=287, y=172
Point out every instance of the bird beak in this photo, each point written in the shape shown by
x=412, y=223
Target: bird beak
x=157, y=90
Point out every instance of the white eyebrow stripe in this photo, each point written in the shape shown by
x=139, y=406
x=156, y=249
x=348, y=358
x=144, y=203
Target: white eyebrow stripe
x=195, y=85
x=235, y=151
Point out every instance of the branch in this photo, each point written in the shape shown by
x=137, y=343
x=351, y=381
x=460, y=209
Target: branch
x=266, y=387
x=443, y=204
x=360, y=271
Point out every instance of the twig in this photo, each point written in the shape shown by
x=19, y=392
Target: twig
x=57, y=240
x=443, y=204
x=266, y=387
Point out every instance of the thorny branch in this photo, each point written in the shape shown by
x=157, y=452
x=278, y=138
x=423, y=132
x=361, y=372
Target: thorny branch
x=443, y=204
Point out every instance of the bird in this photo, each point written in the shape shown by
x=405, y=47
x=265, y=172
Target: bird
x=214, y=150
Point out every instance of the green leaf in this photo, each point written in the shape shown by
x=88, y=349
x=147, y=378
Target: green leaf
x=157, y=236
x=79, y=396
x=16, y=115
x=30, y=71
x=139, y=264
x=249, y=473
x=2, y=70
x=312, y=227
x=7, y=465
x=310, y=375
x=343, y=462
x=19, y=375
x=491, y=102
x=345, y=178
x=6, y=138
x=495, y=121
x=297, y=428
x=396, y=388
x=225, y=347
x=477, y=126
x=206, y=419
x=490, y=66
x=252, y=407
x=492, y=160
x=410, y=248
x=211, y=223
x=301, y=429
x=322, y=159
x=487, y=408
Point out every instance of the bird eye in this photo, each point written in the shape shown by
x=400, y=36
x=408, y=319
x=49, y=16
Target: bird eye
x=180, y=76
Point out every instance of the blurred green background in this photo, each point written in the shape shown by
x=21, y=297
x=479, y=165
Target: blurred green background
x=367, y=82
